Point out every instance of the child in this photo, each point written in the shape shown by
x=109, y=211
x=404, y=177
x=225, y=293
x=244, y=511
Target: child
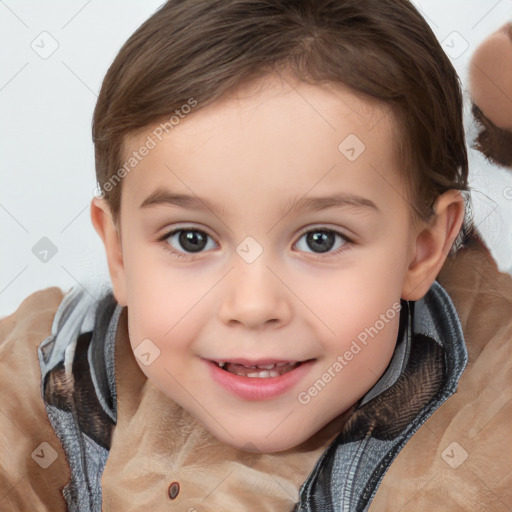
x=279, y=187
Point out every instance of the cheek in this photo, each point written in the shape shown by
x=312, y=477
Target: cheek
x=365, y=348
x=353, y=298
x=167, y=306
x=158, y=292
x=165, y=326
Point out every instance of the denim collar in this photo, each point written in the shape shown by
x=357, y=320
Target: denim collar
x=424, y=371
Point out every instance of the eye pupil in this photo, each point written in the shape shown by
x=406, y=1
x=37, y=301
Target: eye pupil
x=322, y=241
x=192, y=241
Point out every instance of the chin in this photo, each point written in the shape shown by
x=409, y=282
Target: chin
x=260, y=444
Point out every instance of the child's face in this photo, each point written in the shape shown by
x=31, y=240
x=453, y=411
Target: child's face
x=258, y=289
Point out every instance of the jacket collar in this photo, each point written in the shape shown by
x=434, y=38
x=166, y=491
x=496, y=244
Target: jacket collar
x=426, y=366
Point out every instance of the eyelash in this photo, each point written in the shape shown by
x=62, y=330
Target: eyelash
x=189, y=256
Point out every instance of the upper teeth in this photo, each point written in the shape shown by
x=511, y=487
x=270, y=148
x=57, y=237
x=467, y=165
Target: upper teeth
x=262, y=371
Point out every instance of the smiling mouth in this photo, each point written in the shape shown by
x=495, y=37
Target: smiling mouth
x=261, y=371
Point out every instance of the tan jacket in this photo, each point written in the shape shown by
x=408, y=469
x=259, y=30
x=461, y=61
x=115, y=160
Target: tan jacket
x=460, y=459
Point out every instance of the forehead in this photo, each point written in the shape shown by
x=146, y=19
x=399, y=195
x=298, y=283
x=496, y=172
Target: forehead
x=274, y=133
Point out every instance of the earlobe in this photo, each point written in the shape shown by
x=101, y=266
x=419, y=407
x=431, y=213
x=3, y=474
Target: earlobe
x=433, y=244
x=104, y=225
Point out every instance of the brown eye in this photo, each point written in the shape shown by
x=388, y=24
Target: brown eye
x=188, y=240
x=192, y=241
x=321, y=241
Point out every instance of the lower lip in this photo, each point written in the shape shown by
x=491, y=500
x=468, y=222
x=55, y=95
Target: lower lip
x=254, y=388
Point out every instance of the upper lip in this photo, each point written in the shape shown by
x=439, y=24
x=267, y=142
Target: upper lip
x=255, y=362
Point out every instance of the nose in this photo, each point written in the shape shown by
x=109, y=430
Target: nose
x=255, y=297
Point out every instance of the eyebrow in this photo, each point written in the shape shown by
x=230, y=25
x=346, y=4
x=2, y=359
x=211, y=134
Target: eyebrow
x=165, y=197
x=339, y=200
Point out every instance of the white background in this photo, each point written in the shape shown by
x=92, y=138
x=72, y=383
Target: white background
x=47, y=159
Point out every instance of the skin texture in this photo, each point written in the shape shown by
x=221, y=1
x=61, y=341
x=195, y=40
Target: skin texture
x=251, y=155
x=490, y=77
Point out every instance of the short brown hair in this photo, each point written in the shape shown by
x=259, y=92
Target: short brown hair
x=203, y=49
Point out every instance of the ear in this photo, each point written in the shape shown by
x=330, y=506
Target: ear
x=432, y=245
x=105, y=227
